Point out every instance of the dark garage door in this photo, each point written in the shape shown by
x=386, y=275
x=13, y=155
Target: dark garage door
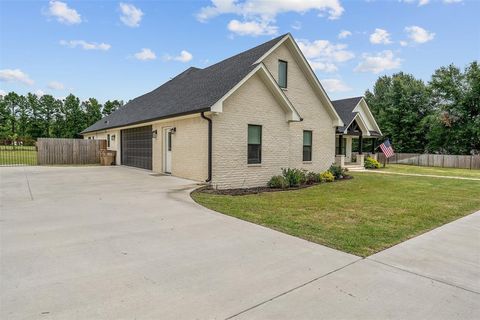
x=137, y=147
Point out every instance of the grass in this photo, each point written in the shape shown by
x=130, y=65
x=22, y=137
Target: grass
x=403, y=168
x=18, y=155
x=361, y=216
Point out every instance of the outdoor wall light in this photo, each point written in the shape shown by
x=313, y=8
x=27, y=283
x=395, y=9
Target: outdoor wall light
x=154, y=134
x=112, y=137
x=173, y=130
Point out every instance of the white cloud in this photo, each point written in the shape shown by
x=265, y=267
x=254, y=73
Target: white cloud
x=63, y=13
x=297, y=25
x=3, y=92
x=419, y=34
x=403, y=43
x=15, y=75
x=343, y=34
x=86, y=45
x=268, y=10
x=184, y=56
x=334, y=85
x=323, y=66
x=380, y=62
x=323, y=55
x=380, y=36
x=452, y=1
x=56, y=85
x=131, y=15
x=39, y=93
x=251, y=28
x=259, y=15
x=145, y=54
x=420, y=2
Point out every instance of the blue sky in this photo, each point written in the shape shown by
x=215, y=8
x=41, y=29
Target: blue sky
x=119, y=50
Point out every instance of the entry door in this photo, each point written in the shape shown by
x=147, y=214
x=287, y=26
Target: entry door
x=167, y=136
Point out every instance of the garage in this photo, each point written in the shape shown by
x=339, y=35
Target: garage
x=136, y=147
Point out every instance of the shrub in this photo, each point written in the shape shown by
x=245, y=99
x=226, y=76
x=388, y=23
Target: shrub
x=371, y=163
x=327, y=176
x=277, y=182
x=312, y=178
x=336, y=170
x=294, y=177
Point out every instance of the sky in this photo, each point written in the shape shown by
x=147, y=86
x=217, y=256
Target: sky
x=120, y=50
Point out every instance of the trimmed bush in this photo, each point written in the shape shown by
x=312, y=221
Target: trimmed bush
x=336, y=170
x=312, y=178
x=293, y=177
x=327, y=176
x=277, y=182
x=371, y=163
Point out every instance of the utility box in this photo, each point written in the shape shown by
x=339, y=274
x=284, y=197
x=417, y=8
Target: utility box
x=107, y=157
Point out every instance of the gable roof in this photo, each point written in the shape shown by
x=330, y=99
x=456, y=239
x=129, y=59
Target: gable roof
x=348, y=109
x=192, y=91
x=344, y=108
x=309, y=74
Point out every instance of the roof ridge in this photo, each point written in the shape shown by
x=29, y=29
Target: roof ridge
x=274, y=40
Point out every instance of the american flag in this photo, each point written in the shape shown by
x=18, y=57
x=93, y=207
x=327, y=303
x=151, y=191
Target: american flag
x=387, y=149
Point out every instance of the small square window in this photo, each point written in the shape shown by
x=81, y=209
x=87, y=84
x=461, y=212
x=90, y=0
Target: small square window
x=307, y=145
x=282, y=73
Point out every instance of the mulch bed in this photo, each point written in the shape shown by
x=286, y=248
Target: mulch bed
x=257, y=190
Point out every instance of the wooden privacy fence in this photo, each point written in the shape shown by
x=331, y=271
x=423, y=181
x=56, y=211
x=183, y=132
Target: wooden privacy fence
x=434, y=160
x=69, y=151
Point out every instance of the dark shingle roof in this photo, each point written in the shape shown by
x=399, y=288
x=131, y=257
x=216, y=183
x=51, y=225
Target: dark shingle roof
x=344, y=108
x=193, y=90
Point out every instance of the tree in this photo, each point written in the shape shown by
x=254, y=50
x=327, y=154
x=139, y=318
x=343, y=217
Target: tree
x=111, y=106
x=74, y=117
x=92, y=111
x=49, y=107
x=455, y=128
x=399, y=103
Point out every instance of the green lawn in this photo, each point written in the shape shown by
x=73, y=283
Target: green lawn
x=17, y=155
x=361, y=216
x=403, y=168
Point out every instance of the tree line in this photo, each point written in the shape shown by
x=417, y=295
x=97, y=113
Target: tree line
x=440, y=116
x=26, y=118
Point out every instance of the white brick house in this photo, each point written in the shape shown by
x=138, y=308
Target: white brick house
x=234, y=124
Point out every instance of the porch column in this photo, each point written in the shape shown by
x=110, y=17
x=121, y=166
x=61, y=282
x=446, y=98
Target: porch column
x=348, y=150
x=360, y=144
x=340, y=144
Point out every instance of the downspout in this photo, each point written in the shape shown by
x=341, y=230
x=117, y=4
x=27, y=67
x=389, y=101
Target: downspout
x=209, y=147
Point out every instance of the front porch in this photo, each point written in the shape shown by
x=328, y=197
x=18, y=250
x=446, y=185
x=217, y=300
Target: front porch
x=353, y=145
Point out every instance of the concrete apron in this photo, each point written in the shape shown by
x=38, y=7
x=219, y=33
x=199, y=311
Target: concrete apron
x=120, y=243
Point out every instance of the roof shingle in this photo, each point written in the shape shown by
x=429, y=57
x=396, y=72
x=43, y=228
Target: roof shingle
x=193, y=90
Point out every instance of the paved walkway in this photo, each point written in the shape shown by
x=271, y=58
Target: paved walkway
x=420, y=175
x=433, y=276
x=119, y=243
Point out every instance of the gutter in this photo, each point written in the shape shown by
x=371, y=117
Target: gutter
x=209, y=146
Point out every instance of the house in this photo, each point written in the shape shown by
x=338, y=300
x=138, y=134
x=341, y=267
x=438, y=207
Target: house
x=236, y=123
x=359, y=126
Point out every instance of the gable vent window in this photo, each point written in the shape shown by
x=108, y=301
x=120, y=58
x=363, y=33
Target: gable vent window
x=307, y=145
x=282, y=73
x=254, y=144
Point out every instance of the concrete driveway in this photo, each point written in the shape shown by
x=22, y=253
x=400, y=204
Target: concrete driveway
x=120, y=243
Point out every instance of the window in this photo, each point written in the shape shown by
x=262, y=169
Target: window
x=282, y=73
x=337, y=145
x=169, y=142
x=254, y=144
x=307, y=145
x=108, y=141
